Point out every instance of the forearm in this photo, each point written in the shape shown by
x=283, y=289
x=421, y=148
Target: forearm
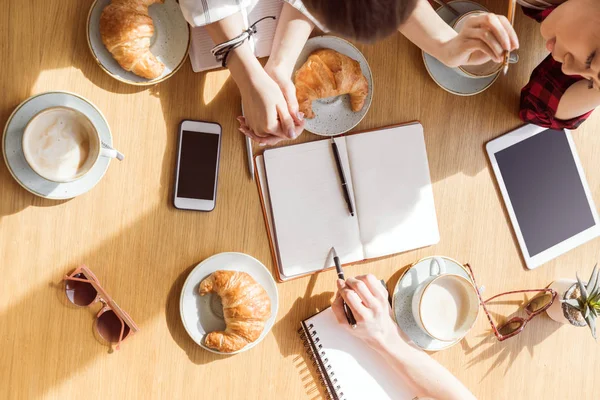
x=428, y=31
x=577, y=100
x=241, y=62
x=426, y=377
x=293, y=31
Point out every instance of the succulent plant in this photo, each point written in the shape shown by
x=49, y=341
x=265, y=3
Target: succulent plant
x=588, y=303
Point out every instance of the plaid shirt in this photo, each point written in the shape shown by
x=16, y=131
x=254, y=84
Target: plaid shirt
x=540, y=97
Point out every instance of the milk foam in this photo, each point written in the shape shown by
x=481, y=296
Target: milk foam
x=60, y=144
x=445, y=307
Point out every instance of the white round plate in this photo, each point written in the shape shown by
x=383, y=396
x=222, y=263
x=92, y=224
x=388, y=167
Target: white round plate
x=403, y=296
x=446, y=77
x=197, y=315
x=333, y=115
x=13, y=150
x=170, y=43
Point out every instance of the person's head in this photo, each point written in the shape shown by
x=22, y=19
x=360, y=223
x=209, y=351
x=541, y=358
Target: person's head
x=363, y=20
x=572, y=34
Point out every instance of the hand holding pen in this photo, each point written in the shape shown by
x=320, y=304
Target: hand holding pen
x=367, y=298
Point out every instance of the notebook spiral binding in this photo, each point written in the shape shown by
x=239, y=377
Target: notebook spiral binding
x=319, y=359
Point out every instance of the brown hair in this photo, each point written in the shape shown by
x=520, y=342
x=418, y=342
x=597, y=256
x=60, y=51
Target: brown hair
x=363, y=20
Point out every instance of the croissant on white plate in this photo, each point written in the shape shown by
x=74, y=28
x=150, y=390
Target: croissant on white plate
x=246, y=308
x=328, y=73
x=126, y=30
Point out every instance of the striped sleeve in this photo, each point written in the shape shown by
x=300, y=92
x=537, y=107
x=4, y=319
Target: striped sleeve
x=204, y=12
x=298, y=5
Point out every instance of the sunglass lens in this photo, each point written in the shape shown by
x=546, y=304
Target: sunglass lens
x=510, y=327
x=109, y=327
x=80, y=293
x=539, y=302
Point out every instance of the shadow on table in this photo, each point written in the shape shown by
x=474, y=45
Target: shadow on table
x=195, y=353
x=288, y=338
x=507, y=351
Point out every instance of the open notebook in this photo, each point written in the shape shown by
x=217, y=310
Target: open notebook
x=200, y=55
x=349, y=368
x=305, y=211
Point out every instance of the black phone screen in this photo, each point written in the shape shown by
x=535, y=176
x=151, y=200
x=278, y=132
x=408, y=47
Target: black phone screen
x=198, y=165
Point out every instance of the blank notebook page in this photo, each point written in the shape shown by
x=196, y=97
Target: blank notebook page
x=392, y=187
x=309, y=212
x=361, y=373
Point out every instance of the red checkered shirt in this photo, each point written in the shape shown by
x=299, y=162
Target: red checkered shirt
x=547, y=84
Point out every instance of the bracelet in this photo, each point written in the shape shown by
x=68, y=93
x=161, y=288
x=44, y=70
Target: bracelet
x=221, y=51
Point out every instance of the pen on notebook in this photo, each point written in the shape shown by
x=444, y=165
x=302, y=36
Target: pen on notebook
x=249, y=155
x=512, y=5
x=340, y=274
x=338, y=163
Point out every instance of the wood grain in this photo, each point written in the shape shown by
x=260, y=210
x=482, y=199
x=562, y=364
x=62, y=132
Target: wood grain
x=141, y=248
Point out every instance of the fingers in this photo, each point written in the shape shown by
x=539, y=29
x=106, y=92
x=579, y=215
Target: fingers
x=354, y=301
x=262, y=140
x=288, y=127
x=360, y=287
x=510, y=30
x=485, y=37
x=289, y=92
x=495, y=31
x=338, y=309
x=499, y=31
x=375, y=287
x=480, y=52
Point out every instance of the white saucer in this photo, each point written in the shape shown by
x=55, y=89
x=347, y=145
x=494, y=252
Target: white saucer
x=13, y=151
x=403, y=296
x=446, y=77
x=170, y=43
x=333, y=115
x=197, y=315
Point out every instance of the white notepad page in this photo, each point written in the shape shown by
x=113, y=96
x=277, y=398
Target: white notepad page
x=202, y=59
x=360, y=371
x=309, y=211
x=394, y=197
x=388, y=176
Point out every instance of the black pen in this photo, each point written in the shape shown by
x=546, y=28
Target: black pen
x=340, y=274
x=338, y=163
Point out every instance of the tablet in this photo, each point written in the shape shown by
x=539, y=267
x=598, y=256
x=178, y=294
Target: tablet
x=545, y=192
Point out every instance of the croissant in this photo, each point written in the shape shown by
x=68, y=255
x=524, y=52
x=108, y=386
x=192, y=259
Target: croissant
x=246, y=308
x=126, y=30
x=328, y=73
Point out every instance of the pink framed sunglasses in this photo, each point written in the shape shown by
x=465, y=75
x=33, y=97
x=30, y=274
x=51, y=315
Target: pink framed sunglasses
x=112, y=323
x=515, y=325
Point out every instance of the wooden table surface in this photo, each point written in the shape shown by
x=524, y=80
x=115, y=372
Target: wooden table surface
x=142, y=248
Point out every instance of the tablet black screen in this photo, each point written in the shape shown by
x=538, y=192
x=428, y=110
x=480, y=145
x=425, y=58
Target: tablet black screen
x=545, y=190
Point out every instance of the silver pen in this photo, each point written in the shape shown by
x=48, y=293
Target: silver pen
x=249, y=154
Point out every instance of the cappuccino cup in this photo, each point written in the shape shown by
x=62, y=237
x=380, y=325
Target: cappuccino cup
x=61, y=144
x=484, y=70
x=446, y=305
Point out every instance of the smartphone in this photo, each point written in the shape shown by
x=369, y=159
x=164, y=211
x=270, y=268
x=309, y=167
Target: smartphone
x=197, y=165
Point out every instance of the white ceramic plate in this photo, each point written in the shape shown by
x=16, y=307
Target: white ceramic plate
x=13, y=150
x=446, y=77
x=333, y=115
x=170, y=43
x=403, y=296
x=197, y=314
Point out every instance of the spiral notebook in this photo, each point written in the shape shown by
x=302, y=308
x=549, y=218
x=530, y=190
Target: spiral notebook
x=305, y=212
x=347, y=367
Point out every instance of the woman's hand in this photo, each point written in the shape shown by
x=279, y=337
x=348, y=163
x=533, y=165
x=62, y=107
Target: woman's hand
x=368, y=300
x=266, y=119
x=282, y=77
x=482, y=38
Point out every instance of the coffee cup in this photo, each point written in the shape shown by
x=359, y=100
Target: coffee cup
x=62, y=145
x=484, y=70
x=446, y=305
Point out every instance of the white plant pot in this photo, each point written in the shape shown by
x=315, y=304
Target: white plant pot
x=555, y=311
